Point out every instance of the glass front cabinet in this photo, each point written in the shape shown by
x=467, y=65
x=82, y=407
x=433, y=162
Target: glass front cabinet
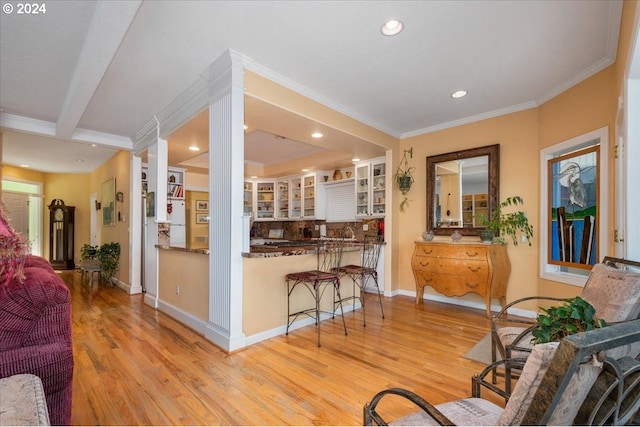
x=370, y=188
x=282, y=199
x=265, y=199
x=290, y=198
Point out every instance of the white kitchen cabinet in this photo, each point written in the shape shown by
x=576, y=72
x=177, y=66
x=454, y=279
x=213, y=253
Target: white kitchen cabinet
x=291, y=198
x=371, y=188
x=282, y=199
x=265, y=199
x=248, y=197
x=175, y=184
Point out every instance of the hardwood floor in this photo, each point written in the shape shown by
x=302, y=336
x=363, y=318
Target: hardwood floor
x=135, y=365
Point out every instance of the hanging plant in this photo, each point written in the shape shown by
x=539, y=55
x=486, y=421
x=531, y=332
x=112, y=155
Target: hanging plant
x=404, y=177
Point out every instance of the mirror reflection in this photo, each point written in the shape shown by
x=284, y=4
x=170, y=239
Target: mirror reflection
x=462, y=192
x=462, y=188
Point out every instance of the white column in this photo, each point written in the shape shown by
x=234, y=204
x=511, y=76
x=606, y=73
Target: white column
x=226, y=176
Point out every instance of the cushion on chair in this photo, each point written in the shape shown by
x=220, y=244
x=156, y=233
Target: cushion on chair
x=510, y=333
x=465, y=412
x=530, y=379
x=614, y=293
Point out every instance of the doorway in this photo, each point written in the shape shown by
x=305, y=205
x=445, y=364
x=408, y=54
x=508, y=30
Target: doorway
x=23, y=203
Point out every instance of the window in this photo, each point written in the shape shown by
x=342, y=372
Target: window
x=568, y=201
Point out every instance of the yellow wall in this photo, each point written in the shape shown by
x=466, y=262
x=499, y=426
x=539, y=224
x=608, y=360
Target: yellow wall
x=119, y=167
x=189, y=272
x=75, y=190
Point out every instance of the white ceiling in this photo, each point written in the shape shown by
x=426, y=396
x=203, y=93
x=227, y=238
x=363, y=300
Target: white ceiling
x=96, y=72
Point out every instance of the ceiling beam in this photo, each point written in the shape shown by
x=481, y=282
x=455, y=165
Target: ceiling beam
x=109, y=25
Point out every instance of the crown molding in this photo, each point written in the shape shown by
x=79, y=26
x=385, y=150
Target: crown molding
x=48, y=129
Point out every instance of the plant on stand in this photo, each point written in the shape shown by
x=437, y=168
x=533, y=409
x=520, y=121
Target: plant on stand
x=504, y=224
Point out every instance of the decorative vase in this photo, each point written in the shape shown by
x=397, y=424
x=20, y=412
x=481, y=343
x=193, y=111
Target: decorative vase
x=427, y=236
x=404, y=183
x=348, y=174
x=486, y=235
x=456, y=236
x=337, y=175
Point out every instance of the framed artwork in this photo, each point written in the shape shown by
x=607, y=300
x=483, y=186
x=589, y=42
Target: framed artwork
x=574, y=205
x=151, y=204
x=202, y=218
x=108, y=202
x=202, y=205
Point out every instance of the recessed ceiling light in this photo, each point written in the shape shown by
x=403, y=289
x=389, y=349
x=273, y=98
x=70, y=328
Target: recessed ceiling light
x=80, y=160
x=305, y=170
x=25, y=166
x=459, y=94
x=246, y=127
x=355, y=159
x=194, y=148
x=254, y=176
x=391, y=28
x=94, y=145
x=317, y=135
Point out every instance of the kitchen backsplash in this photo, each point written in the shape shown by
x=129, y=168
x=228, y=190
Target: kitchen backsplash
x=297, y=230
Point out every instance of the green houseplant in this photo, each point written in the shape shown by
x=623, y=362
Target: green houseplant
x=88, y=251
x=109, y=257
x=573, y=316
x=508, y=223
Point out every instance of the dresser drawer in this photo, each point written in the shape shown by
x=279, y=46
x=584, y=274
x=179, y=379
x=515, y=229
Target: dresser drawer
x=453, y=251
x=455, y=285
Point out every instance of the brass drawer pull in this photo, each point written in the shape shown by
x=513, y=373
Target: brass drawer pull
x=428, y=252
x=424, y=264
x=472, y=286
x=473, y=270
x=471, y=255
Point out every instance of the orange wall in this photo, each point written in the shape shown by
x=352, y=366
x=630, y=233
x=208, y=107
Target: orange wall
x=517, y=134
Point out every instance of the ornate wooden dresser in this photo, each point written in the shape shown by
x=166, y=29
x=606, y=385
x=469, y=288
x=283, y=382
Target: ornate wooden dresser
x=456, y=269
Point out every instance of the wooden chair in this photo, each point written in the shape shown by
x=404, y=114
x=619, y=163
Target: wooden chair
x=588, y=378
x=360, y=275
x=612, y=288
x=329, y=255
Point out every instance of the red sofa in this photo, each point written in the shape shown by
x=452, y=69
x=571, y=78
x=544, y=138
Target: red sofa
x=35, y=333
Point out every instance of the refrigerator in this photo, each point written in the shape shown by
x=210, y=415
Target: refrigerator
x=178, y=224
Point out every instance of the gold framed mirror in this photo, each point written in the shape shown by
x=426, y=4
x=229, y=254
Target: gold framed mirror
x=461, y=187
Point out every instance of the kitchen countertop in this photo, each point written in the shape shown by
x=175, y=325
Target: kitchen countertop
x=271, y=251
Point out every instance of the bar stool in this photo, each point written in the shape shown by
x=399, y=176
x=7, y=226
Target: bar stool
x=316, y=282
x=360, y=274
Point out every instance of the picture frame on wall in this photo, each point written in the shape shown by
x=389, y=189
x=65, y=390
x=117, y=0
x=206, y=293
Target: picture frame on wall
x=202, y=218
x=202, y=205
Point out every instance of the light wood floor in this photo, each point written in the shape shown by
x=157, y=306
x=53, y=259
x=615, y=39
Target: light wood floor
x=136, y=366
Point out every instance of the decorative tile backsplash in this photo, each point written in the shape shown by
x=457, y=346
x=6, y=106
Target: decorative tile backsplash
x=297, y=230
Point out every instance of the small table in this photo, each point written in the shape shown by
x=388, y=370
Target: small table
x=90, y=266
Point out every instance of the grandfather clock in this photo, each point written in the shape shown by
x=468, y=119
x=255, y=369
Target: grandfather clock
x=61, y=232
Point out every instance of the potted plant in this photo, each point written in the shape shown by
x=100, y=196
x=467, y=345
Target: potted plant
x=573, y=316
x=508, y=223
x=109, y=257
x=88, y=252
x=404, y=177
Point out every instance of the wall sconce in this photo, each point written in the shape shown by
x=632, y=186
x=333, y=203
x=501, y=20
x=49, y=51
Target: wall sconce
x=98, y=205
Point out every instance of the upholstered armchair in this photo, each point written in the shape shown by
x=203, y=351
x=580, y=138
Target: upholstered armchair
x=612, y=288
x=590, y=378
